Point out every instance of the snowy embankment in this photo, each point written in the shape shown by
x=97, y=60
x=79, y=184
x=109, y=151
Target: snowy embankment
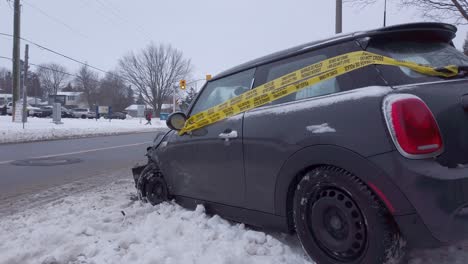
x=108, y=225
x=43, y=129
x=90, y=227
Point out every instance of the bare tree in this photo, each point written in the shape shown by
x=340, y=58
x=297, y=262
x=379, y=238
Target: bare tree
x=52, y=77
x=154, y=71
x=87, y=81
x=455, y=11
x=113, y=92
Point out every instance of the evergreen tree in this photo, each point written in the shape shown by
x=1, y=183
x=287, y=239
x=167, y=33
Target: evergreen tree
x=130, y=95
x=191, y=95
x=68, y=88
x=465, y=46
x=140, y=100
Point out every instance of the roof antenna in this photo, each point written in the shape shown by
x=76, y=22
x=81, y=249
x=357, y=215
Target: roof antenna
x=385, y=14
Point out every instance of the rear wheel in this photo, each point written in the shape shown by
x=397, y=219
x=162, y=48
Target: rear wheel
x=151, y=186
x=339, y=220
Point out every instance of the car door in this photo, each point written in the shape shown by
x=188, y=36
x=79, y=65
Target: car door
x=208, y=164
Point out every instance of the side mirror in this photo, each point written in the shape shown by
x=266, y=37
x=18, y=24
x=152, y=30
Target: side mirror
x=176, y=121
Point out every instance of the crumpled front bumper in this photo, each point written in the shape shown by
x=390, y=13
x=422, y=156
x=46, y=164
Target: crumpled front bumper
x=136, y=171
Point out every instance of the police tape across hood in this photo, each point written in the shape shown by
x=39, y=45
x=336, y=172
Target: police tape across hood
x=303, y=78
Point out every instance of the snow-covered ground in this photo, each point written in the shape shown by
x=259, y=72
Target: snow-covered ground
x=108, y=225
x=90, y=227
x=43, y=128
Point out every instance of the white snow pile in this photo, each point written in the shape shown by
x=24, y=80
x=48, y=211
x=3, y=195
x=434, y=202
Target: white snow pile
x=91, y=228
x=318, y=129
x=43, y=128
x=108, y=225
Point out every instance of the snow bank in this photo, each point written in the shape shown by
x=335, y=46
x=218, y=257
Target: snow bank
x=109, y=225
x=43, y=128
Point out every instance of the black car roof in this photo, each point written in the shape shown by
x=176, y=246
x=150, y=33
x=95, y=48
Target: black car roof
x=450, y=31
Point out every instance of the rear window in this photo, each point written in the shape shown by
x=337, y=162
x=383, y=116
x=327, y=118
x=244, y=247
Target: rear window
x=435, y=54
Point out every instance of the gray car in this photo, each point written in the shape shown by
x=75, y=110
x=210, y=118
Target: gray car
x=354, y=165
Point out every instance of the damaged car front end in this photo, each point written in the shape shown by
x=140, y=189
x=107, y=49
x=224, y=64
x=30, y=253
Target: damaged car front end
x=146, y=175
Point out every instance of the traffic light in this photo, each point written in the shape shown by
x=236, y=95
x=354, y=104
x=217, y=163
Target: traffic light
x=208, y=77
x=182, y=84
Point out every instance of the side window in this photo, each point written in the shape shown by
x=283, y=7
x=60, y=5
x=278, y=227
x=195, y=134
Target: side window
x=219, y=91
x=322, y=88
x=367, y=76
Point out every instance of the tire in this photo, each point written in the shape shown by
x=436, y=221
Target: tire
x=339, y=220
x=151, y=186
x=83, y=116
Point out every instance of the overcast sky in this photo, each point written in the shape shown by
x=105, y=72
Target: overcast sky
x=215, y=34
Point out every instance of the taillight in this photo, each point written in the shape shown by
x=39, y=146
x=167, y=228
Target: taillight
x=412, y=126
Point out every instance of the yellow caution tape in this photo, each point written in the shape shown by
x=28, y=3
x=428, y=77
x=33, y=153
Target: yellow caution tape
x=300, y=79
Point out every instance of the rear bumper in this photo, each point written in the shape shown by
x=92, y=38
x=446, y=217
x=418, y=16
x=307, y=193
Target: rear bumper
x=438, y=194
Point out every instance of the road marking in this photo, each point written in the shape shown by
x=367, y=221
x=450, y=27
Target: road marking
x=80, y=152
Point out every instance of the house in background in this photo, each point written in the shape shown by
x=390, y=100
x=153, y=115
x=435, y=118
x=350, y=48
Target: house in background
x=69, y=99
x=132, y=110
x=5, y=98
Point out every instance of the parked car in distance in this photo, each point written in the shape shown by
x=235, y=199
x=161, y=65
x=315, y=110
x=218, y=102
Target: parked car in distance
x=30, y=109
x=82, y=113
x=91, y=114
x=115, y=115
x=355, y=165
x=66, y=113
x=47, y=111
x=44, y=111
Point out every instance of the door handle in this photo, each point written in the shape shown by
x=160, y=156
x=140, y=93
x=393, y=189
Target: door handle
x=228, y=135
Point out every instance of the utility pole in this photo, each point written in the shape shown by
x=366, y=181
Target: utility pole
x=25, y=85
x=385, y=14
x=339, y=17
x=16, y=59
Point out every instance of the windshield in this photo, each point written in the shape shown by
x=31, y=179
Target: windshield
x=434, y=54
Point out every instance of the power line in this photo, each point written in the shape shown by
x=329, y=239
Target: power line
x=44, y=67
x=117, y=13
x=50, y=69
x=67, y=57
x=56, y=20
x=57, y=53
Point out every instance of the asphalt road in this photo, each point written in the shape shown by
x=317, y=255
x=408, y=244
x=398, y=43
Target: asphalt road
x=23, y=171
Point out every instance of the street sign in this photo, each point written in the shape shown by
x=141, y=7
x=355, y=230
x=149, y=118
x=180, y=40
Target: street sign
x=140, y=111
x=103, y=109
